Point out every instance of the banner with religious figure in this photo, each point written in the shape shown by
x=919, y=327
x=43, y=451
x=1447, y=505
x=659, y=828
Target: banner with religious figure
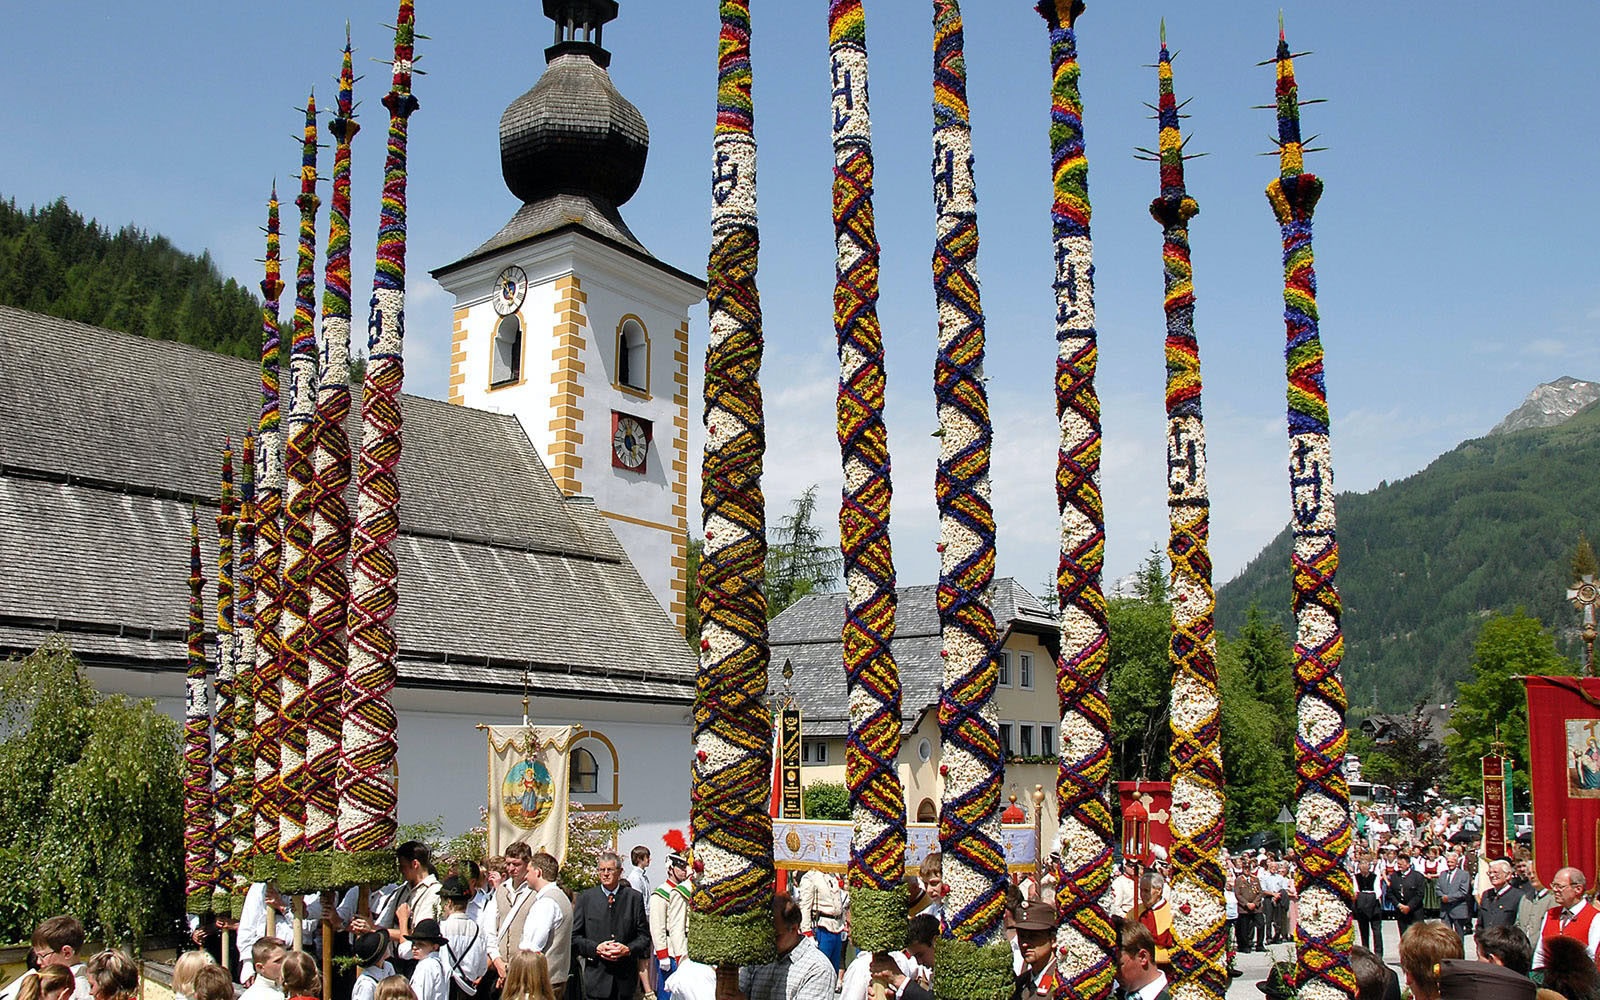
x=1564, y=770
x=528, y=787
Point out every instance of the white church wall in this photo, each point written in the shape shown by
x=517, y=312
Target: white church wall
x=444, y=760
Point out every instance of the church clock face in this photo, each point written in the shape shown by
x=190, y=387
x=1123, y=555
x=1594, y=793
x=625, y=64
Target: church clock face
x=509, y=290
x=630, y=441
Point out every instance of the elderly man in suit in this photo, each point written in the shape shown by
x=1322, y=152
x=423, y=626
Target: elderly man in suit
x=610, y=931
x=1497, y=907
x=1455, y=895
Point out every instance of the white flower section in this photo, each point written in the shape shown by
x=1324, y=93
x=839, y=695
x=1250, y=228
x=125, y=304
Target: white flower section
x=386, y=327
x=1321, y=913
x=733, y=183
x=1311, y=483
x=335, y=350
x=852, y=125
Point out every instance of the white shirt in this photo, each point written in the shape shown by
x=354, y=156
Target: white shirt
x=467, y=956
x=252, y=927
x=639, y=879
x=429, y=981
x=543, y=919
x=366, y=984
x=476, y=904
x=1590, y=945
x=693, y=981
x=1152, y=989
x=491, y=913
x=262, y=989
x=858, y=974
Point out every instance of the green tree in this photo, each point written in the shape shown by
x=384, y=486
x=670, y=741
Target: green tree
x=1139, y=685
x=798, y=561
x=1255, y=764
x=1267, y=657
x=1508, y=647
x=1584, y=562
x=691, y=596
x=92, y=819
x=826, y=800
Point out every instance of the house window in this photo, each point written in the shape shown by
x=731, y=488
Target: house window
x=505, y=366
x=1003, y=661
x=1047, y=741
x=1025, y=671
x=927, y=812
x=1008, y=742
x=813, y=752
x=924, y=750
x=633, y=356
x=1025, y=741
x=584, y=773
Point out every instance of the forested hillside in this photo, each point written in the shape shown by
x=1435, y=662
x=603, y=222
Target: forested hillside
x=1490, y=526
x=54, y=261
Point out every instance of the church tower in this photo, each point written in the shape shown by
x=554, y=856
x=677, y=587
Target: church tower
x=564, y=319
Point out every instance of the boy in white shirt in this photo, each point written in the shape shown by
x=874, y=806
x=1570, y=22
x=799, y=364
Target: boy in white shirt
x=429, y=981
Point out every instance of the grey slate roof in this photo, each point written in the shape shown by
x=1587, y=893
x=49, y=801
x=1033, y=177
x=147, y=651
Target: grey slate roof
x=108, y=438
x=807, y=635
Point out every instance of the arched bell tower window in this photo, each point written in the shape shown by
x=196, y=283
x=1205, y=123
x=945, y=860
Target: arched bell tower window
x=633, y=356
x=505, y=364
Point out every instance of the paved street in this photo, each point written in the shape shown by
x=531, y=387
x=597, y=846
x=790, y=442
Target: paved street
x=1255, y=965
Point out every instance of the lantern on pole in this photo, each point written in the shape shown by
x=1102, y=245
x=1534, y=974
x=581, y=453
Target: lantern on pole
x=1135, y=830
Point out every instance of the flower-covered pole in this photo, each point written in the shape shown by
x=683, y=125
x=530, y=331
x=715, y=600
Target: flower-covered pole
x=729, y=784
x=1199, y=918
x=299, y=555
x=974, y=962
x=369, y=782
x=330, y=588
x=1086, y=940
x=877, y=800
x=227, y=784
x=267, y=793
x=243, y=747
x=1322, y=815
x=199, y=860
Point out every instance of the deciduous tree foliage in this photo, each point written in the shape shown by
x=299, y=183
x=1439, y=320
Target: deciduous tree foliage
x=91, y=822
x=1508, y=647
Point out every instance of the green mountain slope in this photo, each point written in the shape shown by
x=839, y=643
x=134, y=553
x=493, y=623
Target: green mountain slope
x=1487, y=527
x=54, y=261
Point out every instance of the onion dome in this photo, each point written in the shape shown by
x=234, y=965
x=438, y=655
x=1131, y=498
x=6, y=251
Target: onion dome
x=574, y=133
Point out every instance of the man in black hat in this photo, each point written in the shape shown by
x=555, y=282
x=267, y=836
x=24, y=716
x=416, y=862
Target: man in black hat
x=1460, y=979
x=1279, y=982
x=466, y=953
x=429, y=981
x=1035, y=924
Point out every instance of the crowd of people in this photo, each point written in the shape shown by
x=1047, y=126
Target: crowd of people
x=506, y=930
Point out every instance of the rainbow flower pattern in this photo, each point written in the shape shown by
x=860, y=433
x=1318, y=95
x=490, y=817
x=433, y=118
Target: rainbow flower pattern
x=729, y=784
x=1323, y=932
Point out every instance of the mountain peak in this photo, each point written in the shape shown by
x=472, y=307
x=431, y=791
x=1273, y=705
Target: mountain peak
x=1549, y=404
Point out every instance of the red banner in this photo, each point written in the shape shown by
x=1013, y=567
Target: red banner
x=1494, y=807
x=1155, y=798
x=1564, y=769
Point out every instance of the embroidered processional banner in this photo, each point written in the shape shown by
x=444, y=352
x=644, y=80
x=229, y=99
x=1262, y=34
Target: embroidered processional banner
x=528, y=787
x=799, y=845
x=1564, y=770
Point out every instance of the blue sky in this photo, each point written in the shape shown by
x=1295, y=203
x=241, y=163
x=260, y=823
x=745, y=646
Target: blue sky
x=1454, y=250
